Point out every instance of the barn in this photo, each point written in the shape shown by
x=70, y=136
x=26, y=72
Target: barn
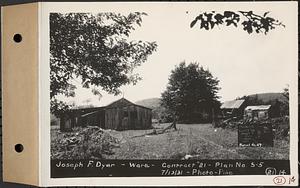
x=119, y=115
x=123, y=115
x=234, y=108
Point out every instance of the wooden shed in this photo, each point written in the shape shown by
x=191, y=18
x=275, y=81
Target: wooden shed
x=123, y=115
x=261, y=112
x=119, y=115
x=234, y=108
x=82, y=118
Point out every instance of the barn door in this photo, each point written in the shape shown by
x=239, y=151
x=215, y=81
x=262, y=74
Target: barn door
x=133, y=119
x=102, y=119
x=125, y=119
x=68, y=124
x=125, y=123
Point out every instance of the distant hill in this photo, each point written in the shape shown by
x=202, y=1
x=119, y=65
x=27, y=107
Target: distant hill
x=152, y=103
x=267, y=97
x=158, y=112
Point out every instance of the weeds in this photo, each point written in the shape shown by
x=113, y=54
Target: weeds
x=82, y=143
x=196, y=141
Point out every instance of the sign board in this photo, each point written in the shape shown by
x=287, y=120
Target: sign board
x=255, y=134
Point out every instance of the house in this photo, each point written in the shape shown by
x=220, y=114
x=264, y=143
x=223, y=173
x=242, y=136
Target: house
x=119, y=115
x=261, y=112
x=234, y=108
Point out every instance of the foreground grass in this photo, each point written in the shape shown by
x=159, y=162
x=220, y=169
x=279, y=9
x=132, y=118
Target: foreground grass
x=201, y=141
x=198, y=141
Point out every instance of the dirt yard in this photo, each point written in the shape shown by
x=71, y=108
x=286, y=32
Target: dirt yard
x=196, y=141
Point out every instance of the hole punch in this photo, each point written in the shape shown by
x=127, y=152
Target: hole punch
x=19, y=148
x=17, y=38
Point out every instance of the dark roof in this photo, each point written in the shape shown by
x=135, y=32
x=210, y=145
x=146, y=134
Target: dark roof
x=122, y=103
x=235, y=104
x=118, y=103
x=87, y=110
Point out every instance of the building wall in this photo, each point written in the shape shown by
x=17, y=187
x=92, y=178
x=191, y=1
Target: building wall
x=94, y=119
x=75, y=118
x=256, y=114
x=128, y=117
x=120, y=115
x=238, y=113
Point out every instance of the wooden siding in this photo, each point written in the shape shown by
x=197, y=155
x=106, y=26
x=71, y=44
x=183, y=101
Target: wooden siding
x=119, y=115
x=256, y=114
x=82, y=118
x=128, y=117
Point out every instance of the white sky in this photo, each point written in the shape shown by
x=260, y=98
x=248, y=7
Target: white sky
x=244, y=64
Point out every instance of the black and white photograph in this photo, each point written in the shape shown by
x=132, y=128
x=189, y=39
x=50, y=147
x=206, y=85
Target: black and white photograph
x=171, y=84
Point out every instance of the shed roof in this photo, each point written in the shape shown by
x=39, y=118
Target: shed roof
x=260, y=107
x=122, y=103
x=86, y=110
x=232, y=104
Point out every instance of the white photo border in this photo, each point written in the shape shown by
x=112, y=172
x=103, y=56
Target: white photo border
x=44, y=98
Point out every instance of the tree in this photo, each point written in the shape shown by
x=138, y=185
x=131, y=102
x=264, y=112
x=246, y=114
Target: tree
x=191, y=94
x=253, y=100
x=286, y=93
x=249, y=21
x=96, y=49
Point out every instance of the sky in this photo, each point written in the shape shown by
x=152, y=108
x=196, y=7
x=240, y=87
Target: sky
x=245, y=64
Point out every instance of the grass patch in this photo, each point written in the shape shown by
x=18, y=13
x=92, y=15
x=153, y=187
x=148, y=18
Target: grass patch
x=196, y=141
